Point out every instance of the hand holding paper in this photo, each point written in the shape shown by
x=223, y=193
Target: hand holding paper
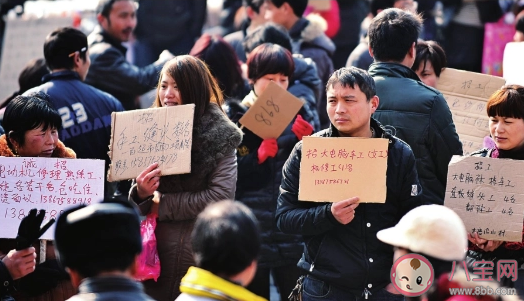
x=344, y=211
x=301, y=127
x=148, y=181
x=268, y=148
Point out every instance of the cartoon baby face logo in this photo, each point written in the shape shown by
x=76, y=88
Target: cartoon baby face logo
x=412, y=275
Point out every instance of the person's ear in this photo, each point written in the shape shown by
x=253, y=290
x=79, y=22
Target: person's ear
x=134, y=266
x=13, y=141
x=374, y=103
x=413, y=50
x=287, y=8
x=75, y=277
x=101, y=20
x=370, y=51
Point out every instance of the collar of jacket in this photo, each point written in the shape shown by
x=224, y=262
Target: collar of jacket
x=61, y=151
x=380, y=130
x=295, y=31
x=93, y=285
x=202, y=283
x=66, y=74
x=392, y=70
x=101, y=36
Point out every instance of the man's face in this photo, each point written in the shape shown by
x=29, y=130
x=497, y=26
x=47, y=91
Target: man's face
x=275, y=14
x=121, y=21
x=349, y=110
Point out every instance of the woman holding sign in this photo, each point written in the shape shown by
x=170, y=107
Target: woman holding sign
x=505, y=109
x=178, y=199
x=260, y=164
x=31, y=125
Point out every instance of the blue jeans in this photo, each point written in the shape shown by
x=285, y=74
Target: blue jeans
x=314, y=289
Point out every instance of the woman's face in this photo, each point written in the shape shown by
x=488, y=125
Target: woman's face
x=508, y=133
x=427, y=74
x=168, y=92
x=261, y=84
x=38, y=143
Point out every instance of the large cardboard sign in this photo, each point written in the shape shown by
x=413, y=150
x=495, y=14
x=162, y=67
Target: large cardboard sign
x=335, y=169
x=53, y=184
x=272, y=112
x=467, y=94
x=487, y=194
x=23, y=41
x=513, y=63
x=140, y=138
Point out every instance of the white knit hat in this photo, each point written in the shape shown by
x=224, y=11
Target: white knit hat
x=433, y=230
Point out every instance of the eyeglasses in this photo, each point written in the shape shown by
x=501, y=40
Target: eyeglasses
x=84, y=49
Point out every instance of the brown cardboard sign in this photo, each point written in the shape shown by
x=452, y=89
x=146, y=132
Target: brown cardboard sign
x=467, y=94
x=320, y=5
x=272, y=112
x=335, y=169
x=140, y=138
x=487, y=194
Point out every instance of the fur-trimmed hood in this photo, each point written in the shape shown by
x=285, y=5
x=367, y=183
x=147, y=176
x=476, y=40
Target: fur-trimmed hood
x=61, y=151
x=310, y=31
x=214, y=136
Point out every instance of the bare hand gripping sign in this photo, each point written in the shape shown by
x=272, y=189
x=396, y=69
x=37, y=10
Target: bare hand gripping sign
x=272, y=112
x=487, y=194
x=335, y=169
x=140, y=138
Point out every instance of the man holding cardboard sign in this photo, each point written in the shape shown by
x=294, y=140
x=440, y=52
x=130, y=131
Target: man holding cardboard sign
x=342, y=256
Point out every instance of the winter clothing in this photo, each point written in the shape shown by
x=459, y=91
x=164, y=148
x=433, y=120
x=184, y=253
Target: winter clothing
x=48, y=281
x=420, y=116
x=110, y=72
x=6, y=280
x=86, y=113
x=213, y=178
x=114, y=288
x=201, y=285
x=360, y=56
x=349, y=257
x=308, y=39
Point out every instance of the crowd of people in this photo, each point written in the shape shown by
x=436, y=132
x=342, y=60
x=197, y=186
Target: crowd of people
x=235, y=222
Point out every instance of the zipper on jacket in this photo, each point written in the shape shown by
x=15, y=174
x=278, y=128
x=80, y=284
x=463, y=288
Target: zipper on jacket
x=366, y=292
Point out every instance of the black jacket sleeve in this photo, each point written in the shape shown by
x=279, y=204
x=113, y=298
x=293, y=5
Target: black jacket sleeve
x=298, y=217
x=6, y=282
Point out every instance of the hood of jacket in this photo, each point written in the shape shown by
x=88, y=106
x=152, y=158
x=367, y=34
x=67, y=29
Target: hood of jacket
x=311, y=31
x=61, y=151
x=305, y=73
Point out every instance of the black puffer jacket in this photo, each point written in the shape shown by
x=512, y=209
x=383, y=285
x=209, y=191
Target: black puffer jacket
x=421, y=117
x=349, y=256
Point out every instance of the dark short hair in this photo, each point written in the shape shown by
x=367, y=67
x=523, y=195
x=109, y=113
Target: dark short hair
x=25, y=113
x=269, y=59
x=254, y=4
x=298, y=6
x=104, y=7
x=392, y=32
x=508, y=101
x=226, y=238
x=98, y=238
x=223, y=63
x=195, y=83
x=519, y=25
x=430, y=51
x=60, y=46
x=351, y=76
x=267, y=33
x=30, y=77
x=376, y=5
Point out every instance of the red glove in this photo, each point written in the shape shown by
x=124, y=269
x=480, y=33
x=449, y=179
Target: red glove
x=268, y=148
x=301, y=128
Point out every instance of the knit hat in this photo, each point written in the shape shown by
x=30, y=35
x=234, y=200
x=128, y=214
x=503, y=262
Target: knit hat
x=433, y=230
x=84, y=235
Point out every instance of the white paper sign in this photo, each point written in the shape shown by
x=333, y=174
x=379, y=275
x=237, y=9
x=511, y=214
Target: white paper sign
x=53, y=184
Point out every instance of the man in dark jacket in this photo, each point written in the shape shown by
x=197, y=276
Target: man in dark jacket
x=85, y=110
x=418, y=114
x=308, y=39
x=99, y=244
x=110, y=72
x=342, y=257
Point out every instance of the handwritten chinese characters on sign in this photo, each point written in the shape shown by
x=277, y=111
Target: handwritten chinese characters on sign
x=272, y=112
x=487, y=194
x=467, y=94
x=334, y=169
x=140, y=138
x=53, y=184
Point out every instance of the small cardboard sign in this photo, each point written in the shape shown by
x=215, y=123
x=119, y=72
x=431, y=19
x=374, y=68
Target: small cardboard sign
x=487, y=194
x=513, y=63
x=272, y=112
x=320, y=5
x=467, y=94
x=140, y=138
x=335, y=169
x=53, y=184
